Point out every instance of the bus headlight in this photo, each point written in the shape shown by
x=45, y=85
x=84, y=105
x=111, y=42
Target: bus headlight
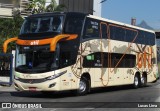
x=16, y=78
x=56, y=75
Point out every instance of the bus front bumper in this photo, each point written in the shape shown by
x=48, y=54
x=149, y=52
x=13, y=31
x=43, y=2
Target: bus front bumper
x=51, y=85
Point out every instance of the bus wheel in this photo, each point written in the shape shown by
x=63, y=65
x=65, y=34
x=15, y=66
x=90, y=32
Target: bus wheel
x=143, y=81
x=136, y=83
x=83, y=86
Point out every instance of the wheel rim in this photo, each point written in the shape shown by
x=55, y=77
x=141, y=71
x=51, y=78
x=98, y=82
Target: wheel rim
x=136, y=81
x=82, y=86
x=142, y=80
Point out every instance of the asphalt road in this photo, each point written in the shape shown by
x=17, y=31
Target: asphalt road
x=112, y=98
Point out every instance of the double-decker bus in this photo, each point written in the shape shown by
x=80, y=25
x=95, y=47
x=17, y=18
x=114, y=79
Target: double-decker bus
x=74, y=51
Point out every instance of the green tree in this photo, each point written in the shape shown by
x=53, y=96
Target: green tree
x=54, y=7
x=9, y=27
x=36, y=6
x=39, y=6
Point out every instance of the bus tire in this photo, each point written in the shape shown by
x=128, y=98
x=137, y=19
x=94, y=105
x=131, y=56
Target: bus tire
x=136, y=83
x=83, y=87
x=143, y=81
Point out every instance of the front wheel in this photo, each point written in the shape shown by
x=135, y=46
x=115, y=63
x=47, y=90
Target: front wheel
x=83, y=86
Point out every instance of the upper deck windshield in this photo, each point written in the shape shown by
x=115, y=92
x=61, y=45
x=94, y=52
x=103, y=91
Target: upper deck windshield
x=42, y=24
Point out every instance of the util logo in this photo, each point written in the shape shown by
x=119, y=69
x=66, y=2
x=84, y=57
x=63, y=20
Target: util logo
x=36, y=42
x=145, y=58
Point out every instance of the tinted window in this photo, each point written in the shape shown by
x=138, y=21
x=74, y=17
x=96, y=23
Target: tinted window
x=91, y=29
x=73, y=25
x=128, y=35
x=104, y=31
x=117, y=33
x=100, y=59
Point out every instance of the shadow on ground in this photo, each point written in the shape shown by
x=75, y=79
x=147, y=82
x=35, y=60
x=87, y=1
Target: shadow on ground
x=65, y=94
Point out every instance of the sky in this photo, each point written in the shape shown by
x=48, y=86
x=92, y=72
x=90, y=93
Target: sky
x=124, y=10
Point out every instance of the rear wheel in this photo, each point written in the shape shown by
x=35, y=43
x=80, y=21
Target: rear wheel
x=143, y=81
x=83, y=86
x=136, y=83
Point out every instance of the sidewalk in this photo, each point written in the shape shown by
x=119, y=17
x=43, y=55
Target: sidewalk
x=5, y=88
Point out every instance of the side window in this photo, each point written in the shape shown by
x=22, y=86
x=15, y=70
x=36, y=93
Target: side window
x=68, y=54
x=151, y=38
x=112, y=32
x=93, y=60
x=141, y=38
x=74, y=25
x=56, y=24
x=65, y=58
x=104, y=31
x=91, y=29
x=120, y=33
x=100, y=59
x=130, y=35
x=117, y=33
x=128, y=61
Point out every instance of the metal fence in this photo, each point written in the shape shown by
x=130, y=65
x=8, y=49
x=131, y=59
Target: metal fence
x=6, y=63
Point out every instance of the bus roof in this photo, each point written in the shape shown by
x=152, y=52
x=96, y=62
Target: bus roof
x=92, y=16
x=53, y=13
x=120, y=23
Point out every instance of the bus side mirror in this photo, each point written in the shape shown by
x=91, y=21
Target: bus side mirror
x=5, y=45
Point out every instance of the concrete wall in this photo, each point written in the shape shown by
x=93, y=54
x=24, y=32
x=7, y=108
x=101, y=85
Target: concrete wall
x=14, y=2
x=84, y=6
x=5, y=12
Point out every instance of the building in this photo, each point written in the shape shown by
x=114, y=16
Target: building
x=85, y=6
x=8, y=6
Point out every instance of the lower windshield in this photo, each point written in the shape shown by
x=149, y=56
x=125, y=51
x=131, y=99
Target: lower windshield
x=35, y=59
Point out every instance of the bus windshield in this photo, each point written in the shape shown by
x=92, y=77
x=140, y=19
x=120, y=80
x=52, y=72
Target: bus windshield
x=42, y=24
x=35, y=59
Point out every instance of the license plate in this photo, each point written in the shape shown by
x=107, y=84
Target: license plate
x=32, y=88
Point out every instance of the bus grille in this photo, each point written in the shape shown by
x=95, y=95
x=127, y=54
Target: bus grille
x=32, y=81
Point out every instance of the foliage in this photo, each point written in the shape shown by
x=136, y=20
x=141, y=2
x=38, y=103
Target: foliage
x=9, y=27
x=36, y=6
x=54, y=7
x=39, y=6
